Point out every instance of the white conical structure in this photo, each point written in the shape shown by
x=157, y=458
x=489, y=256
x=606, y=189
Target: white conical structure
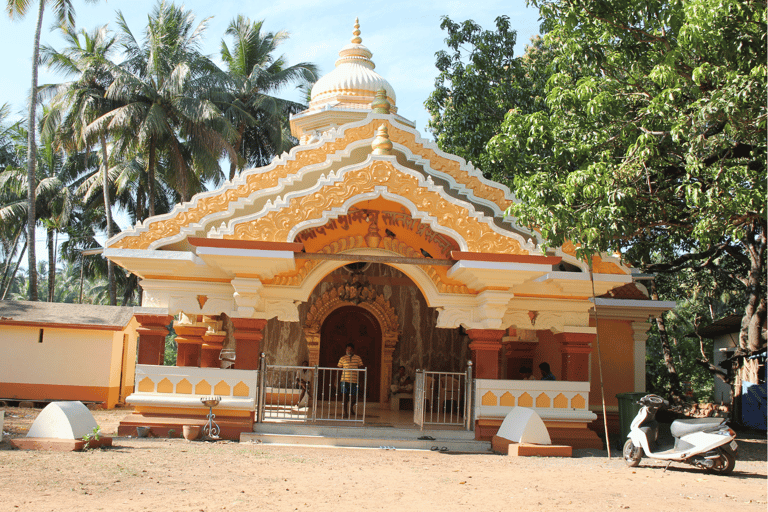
x=524, y=425
x=345, y=95
x=63, y=420
x=353, y=81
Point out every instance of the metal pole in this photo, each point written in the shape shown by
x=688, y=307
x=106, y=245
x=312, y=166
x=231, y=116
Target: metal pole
x=600, y=360
x=365, y=392
x=313, y=395
x=262, y=387
x=420, y=398
x=468, y=399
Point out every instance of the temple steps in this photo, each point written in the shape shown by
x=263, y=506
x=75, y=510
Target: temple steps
x=366, y=437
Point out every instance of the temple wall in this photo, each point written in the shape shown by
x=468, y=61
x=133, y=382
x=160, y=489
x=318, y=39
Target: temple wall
x=547, y=350
x=616, y=348
x=421, y=344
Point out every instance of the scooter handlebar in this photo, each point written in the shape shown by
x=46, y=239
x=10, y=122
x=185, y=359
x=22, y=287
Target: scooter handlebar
x=653, y=401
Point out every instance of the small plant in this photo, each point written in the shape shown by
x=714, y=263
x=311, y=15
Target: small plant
x=93, y=436
x=172, y=433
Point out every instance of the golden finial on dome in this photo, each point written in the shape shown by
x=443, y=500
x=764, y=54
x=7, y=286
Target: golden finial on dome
x=357, y=39
x=381, y=144
x=380, y=104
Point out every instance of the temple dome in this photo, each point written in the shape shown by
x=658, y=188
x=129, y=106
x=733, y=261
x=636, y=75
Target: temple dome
x=353, y=83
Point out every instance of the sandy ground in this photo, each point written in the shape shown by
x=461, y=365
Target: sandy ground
x=174, y=474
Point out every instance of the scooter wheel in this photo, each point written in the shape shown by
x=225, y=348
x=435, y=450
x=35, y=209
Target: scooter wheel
x=632, y=454
x=725, y=464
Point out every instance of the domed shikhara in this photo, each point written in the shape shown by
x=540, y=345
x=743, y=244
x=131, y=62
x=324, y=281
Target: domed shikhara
x=353, y=82
x=345, y=94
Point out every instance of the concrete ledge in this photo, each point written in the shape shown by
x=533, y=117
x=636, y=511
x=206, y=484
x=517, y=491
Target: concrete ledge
x=507, y=447
x=58, y=445
x=161, y=424
x=189, y=401
x=577, y=435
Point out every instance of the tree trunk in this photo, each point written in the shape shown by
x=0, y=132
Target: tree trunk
x=15, y=269
x=9, y=259
x=51, y=264
x=32, y=159
x=234, y=165
x=751, y=336
x=151, y=178
x=108, y=218
x=674, y=378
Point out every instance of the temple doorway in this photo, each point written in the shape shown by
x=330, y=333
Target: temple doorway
x=353, y=324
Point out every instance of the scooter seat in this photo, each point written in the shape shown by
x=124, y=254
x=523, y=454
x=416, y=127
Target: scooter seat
x=682, y=428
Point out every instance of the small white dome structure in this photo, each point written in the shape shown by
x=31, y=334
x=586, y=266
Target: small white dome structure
x=63, y=420
x=523, y=425
x=353, y=82
x=345, y=94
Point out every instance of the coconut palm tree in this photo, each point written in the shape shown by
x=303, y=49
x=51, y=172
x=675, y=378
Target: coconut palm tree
x=255, y=74
x=12, y=199
x=163, y=86
x=65, y=16
x=81, y=101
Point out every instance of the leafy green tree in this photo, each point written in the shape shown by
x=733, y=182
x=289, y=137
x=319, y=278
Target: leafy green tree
x=163, y=87
x=80, y=101
x=655, y=139
x=254, y=74
x=481, y=80
x=702, y=296
x=55, y=197
x=12, y=207
x=65, y=16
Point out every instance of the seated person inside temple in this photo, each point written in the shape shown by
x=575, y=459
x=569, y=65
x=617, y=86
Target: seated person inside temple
x=403, y=383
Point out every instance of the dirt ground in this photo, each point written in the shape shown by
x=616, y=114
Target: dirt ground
x=174, y=474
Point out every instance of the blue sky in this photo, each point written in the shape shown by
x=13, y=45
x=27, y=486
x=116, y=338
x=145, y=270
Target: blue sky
x=403, y=36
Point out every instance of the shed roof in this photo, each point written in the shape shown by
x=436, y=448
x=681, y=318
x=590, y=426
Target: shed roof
x=64, y=315
x=726, y=325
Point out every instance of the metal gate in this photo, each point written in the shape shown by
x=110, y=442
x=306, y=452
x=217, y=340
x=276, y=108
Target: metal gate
x=444, y=398
x=311, y=394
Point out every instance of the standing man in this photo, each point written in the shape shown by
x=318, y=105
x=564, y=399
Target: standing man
x=349, y=361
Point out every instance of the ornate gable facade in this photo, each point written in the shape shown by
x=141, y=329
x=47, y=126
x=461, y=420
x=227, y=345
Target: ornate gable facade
x=363, y=186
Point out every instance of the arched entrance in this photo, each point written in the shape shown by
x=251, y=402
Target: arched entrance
x=383, y=317
x=353, y=324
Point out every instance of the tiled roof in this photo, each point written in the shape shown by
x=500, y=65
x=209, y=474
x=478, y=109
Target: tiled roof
x=56, y=313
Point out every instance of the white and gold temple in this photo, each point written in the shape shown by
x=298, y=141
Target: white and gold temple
x=271, y=260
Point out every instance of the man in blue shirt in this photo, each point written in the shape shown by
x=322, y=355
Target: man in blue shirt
x=546, y=372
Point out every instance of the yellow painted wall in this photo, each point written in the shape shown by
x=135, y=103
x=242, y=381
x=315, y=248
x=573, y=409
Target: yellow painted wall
x=69, y=364
x=617, y=354
x=74, y=357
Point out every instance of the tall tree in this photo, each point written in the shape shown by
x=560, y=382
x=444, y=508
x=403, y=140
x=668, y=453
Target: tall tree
x=86, y=56
x=163, y=89
x=65, y=16
x=480, y=80
x=655, y=141
x=254, y=75
x=12, y=211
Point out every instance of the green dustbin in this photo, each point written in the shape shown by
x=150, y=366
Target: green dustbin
x=628, y=408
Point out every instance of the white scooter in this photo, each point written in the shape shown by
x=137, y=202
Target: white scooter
x=707, y=443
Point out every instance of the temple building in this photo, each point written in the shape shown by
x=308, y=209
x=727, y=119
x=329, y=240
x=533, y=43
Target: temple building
x=367, y=232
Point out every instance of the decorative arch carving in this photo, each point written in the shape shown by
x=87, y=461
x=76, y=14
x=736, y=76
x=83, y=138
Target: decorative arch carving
x=369, y=300
x=207, y=207
x=473, y=230
x=358, y=242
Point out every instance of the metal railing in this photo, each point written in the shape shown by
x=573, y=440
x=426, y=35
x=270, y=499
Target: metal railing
x=444, y=398
x=311, y=394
